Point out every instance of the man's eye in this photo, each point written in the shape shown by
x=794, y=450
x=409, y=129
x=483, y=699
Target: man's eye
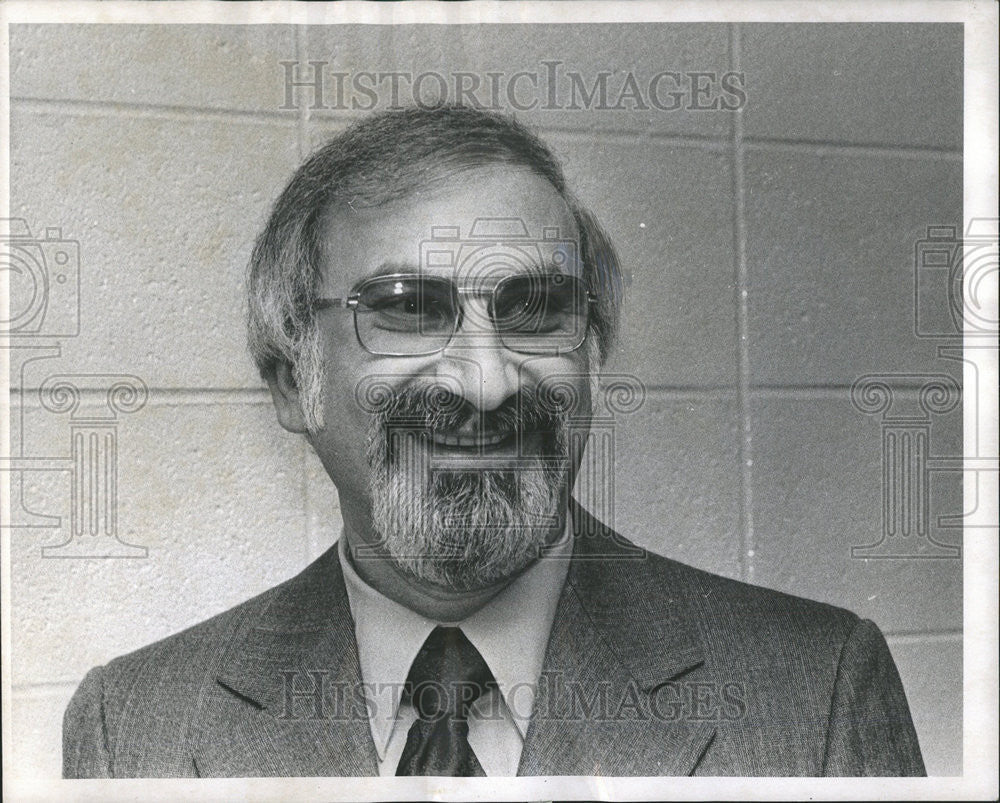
x=514, y=306
x=398, y=304
x=408, y=304
x=410, y=312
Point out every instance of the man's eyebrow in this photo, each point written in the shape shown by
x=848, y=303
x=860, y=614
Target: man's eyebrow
x=392, y=267
x=389, y=268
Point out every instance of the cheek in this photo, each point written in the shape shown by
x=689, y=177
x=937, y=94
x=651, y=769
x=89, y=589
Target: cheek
x=563, y=378
x=360, y=388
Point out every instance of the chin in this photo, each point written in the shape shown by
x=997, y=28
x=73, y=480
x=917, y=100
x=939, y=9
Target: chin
x=465, y=556
x=463, y=575
x=464, y=530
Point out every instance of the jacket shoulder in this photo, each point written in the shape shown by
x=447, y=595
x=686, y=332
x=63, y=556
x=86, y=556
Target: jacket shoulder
x=731, y=619
x=613, y=568
x=735, y=618
x=707, y=590
x=192, y=650
x=154, y=694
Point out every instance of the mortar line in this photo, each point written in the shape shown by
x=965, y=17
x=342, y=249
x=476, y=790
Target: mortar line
x=834, y=148
x=44, y=688
x=162, y=397
x=748, y=545
x=565, y=133
x=918, y=636
x=179, y=396
x=75, y=107
x=301, y=56
x=819, y=391
x=175, y=397
x=86, y=107
x=302, y=118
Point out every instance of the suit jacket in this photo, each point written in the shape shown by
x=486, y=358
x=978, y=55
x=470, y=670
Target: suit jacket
x=652, y=668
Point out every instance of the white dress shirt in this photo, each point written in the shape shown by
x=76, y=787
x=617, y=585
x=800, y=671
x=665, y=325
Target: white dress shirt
x=511, y=632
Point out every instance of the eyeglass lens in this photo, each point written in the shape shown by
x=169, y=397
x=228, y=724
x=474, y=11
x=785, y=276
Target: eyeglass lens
x=409, y=315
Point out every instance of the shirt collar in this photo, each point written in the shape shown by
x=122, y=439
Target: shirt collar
x=511, y=632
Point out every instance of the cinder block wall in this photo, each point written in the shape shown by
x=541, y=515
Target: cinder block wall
x=771, y=256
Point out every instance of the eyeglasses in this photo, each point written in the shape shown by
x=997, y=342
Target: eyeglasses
x=413, y=314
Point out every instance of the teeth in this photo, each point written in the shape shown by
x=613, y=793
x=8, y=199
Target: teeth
x=469, y=440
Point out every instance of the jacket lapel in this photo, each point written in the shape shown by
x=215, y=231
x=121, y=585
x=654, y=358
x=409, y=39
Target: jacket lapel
x=289, y=700
x=295, y=704
x=617, y=637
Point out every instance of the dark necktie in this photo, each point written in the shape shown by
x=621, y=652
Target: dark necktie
x=446, y=677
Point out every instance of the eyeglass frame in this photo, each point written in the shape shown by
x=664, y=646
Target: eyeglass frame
x=353, y=299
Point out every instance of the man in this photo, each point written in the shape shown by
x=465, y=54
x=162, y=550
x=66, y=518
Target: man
x=430, y=307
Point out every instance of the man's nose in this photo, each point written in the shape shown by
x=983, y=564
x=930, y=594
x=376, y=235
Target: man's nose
x=477, y=358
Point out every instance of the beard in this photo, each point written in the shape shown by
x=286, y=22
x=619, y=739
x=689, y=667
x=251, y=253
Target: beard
x=460, y=524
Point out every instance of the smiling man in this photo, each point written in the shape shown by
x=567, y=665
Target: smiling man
x=430, y=307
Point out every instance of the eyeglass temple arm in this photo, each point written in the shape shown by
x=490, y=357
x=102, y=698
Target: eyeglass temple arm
x=336, y=303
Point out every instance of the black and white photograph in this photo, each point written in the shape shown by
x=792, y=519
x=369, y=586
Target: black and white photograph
x=499, y=401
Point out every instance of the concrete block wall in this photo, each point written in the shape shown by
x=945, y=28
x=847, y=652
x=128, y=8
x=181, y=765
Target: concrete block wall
x=771, y=261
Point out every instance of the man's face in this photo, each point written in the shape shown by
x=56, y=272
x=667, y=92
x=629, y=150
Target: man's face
x=455, y=465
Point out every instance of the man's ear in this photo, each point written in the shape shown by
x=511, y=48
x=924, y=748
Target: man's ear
x=285, y=395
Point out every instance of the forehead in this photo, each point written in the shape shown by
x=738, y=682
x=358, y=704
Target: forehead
x=499, y=204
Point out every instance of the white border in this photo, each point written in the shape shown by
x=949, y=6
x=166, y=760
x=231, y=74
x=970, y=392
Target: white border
x=981, y=552
x=980, y=679
x=403, y=12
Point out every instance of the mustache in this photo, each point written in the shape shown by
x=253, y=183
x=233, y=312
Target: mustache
x=436, y=408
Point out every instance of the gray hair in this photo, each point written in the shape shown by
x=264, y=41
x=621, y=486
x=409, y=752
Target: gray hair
x=384, y=157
